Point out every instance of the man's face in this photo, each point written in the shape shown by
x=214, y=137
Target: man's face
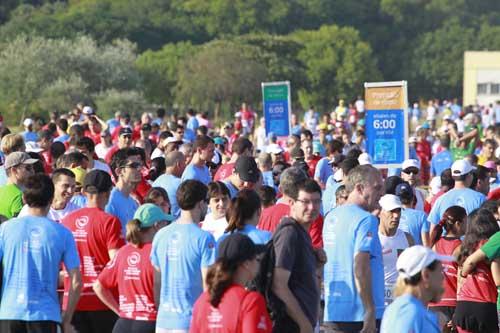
x=410, y=175
x=241, y=184
x=488, y=151
x=64, y=188
x=307, y=147
x=85, y=152
x=208, y=153
x=131, y=172
x=179, y=134
x=483, y=186
x=125, y=141
x=23, y=171
x=372, y=191
x=306, y=208
x=45, y=143
x=218, y=205
x=435, y=281
x=390, y=219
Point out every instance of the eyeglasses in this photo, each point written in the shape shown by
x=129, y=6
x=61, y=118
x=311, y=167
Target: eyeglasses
x=411, y=171
x=308, y=202
x=127, y=136
x=134, y=165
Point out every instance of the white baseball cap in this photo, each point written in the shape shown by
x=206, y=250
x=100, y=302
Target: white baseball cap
x=274, y=148
x=389, y=202
x=365, y=159
x=414, y=259
x=28, y=122
x=435, y=185
x=461, y=167
x=412, y=139
x=87, y=110
x=338, y=176
x=410, y=163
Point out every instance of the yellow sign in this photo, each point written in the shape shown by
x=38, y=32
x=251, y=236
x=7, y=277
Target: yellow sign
x=384, y=98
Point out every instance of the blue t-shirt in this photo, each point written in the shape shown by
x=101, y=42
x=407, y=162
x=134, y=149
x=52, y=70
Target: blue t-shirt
x=192, y=124
x=466, y=198
x=29, y=136
x=31, y=250
x=233, y=191
x=79, y=200
x=170, y=183
x=112, y=124
x=348, y=230
x=415, y=223
x=323, y=170
x=328, y=197
x=189, y=135
x=441, y=162
x=256, y=235
x=122, y=207
x=180, y=251
x=62, y=138
x=408, y=314
x=267, y=178
x=197, y=173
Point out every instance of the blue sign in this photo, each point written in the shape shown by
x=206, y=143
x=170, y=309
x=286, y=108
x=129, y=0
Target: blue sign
x=385, y=136
x=276, y=101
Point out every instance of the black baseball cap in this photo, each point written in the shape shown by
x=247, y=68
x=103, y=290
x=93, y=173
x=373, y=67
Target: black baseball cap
x=125, y=131
x=247, y=169
x=238, y=247
x=146, y=127
x=97, y=181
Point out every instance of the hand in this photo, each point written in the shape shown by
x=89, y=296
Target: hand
x=369, y=323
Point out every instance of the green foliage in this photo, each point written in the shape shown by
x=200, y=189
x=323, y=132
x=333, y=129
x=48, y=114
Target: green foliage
x=337, y=63
x=131, y=101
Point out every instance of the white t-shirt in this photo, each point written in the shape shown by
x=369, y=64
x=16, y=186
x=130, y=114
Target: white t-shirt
x=215, y=227
x=360, y=105
x=431, y=113
x=54, y=214
x=392, y=246
x=101, y=150
x=157, y=153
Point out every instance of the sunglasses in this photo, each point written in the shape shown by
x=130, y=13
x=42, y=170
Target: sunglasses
x=127, y=136
x=411, y=171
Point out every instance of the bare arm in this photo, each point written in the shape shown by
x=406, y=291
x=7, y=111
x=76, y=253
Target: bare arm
x=106, y=296
x=363, y=278
x=75, y=288
x=204, y=277
x=471, y=262
x=112, y=253
x=157, y=287
x=410, y=240
x=426, y=239
x=281, y=289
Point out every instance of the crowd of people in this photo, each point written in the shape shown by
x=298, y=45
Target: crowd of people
x=170, y=224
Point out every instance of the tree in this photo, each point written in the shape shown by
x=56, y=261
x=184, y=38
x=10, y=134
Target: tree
x=337, y=63
x=220, y=72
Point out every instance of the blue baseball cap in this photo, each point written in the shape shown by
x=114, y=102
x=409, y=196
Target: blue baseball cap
x=149, y=214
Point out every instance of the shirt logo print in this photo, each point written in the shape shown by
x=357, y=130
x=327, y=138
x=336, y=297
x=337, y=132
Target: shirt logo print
x=81, y=222
x=133, y=259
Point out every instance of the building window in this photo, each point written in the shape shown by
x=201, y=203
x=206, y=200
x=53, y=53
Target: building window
x=482, y=88
x=495, y=89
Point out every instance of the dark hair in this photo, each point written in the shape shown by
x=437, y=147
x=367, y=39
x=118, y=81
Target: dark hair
x=190, y=193
x=87, y=143
x=57, y=173
x=289, y=180
x=307, y=133
x=74, y=157
x=202, y=142
x=219, y=277
x=240, y=145
x=154, y=193
x=119, y=158
x=481, y=225
x=491, y=205
x=39, y=191
x=242, y=208
x=57, y=149
x=341, y=190
x=354, y=153
x=160, y=112
x=165, y=134
x=391, y=183
x=308, y=186
x=334, y=146
x=202, y=130
x=62, y=124
x=447, y=179
x=445, y=140
x=38, y=166
x=348, y=164
x=216, y=189
x=157, y=168
x=45, y=134
x=267, y=195
x=450, y=217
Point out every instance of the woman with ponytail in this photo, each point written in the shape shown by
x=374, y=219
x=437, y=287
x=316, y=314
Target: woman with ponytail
x=453, y=222
x=243, y=215
x=132, y=273
x=226, y=305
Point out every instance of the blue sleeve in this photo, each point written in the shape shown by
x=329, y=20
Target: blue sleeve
x=154, y=253
x=434, y=215
x=425, y=223
x=207, y=251
x=2, y=226
x=70, y=258
x=320, y=169
x=188, y=174
x=364, y=236
x=433, y=167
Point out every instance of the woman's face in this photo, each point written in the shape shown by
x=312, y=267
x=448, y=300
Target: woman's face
x=218, y=206
x=163, y=204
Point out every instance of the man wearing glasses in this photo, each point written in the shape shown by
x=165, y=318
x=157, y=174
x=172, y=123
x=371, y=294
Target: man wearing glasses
x=19, y=166
x=126, y=167
x=124, y=141
x=409, y=173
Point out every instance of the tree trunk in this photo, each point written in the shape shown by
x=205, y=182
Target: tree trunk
x=216, y=112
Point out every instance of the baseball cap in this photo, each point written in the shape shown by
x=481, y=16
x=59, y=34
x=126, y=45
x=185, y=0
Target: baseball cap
x=125, y=131
x=274, y=148
x=404, y=189
x=247, y=169
x=97, y=181
x=33, y=147
x=426, y=125
x=105, y=133
x=80, y=174
x=297, y=153
x=219, y=141
x=150, y=213
x=414, y=259
x=490, y=165
x=238, y=247
x=87, y=110
x=461, y=167
x=412, y=139
x=435, y=185
x=146, y=127
x=28, y=122
x=17, y=158
x=365, y=159
x=410, y=163
x=389, y=202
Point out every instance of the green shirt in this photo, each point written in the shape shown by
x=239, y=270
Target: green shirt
x=11, y=200
x=492, y=250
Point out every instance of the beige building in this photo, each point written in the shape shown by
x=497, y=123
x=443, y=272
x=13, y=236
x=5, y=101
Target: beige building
x=481, y=77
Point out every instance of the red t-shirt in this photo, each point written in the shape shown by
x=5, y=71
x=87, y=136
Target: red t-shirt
x=132, y=273
x=239, y=311
x=494, y=195
x=446, y=246
x=110, y=153
x=96, y=138
x=271, y=217
x=224, y=171
x=479, y=285
x=312, y=165
x=95, y=232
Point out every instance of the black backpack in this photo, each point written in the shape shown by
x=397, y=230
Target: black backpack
x=263, y=283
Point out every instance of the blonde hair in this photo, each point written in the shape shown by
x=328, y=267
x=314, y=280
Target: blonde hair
x=134, y=232
x=12, y=143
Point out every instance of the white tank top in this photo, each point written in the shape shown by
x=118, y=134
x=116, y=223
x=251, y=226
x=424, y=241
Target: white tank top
x=391, y=249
